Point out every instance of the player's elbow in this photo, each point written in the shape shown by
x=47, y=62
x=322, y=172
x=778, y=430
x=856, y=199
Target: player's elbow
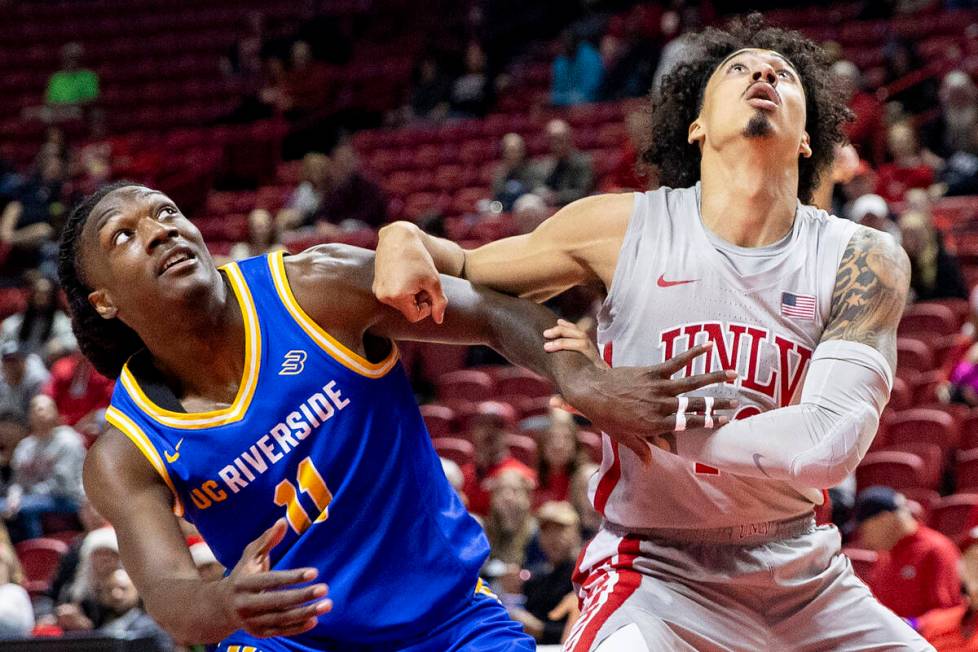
x=839, y=450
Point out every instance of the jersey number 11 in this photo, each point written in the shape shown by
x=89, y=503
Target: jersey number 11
x=309, y=481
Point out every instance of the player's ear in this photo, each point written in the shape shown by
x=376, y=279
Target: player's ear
x=805, y=149
x=696, y=133
x=103, y=304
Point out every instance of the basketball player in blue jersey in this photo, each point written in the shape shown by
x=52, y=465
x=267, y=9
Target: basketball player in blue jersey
x=263, y=402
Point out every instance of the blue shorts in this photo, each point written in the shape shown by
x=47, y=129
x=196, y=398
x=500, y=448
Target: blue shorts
x=482, y=626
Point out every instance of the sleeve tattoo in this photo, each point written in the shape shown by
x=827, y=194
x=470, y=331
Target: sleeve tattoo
x=870, y=293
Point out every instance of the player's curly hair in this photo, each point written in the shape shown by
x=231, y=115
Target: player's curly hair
x=108, y=343
x=680, y=98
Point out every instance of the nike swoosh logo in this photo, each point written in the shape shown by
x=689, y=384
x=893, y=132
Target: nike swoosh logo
x=663, y=283
x=757, y=463
x=173, y=458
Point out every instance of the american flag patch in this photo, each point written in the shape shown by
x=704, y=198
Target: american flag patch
x=798, y=306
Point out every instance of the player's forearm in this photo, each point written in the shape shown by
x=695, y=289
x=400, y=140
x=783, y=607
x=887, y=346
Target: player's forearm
x=191, y=610
x=402, y=237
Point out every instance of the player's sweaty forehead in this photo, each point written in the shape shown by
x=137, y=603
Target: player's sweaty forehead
x=759, y=52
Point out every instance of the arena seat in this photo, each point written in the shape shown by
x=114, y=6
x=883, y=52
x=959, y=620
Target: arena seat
x=914, y=354
x=466, y=384
x=900, y=397
x=969, y=430
x=39, y=559
x=890, y=468
x=439, y=419
x=924, y=387
x=966, y=471
x=925, y=320
x=457, y=450
x=863, y=561
x=930, y=455
x=517, y=380
x=523, y=448
x=924, y=497
x=923, y=425
x=955, y=515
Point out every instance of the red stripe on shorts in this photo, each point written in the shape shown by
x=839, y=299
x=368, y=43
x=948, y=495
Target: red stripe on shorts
x=611, y=477
x=627, y=582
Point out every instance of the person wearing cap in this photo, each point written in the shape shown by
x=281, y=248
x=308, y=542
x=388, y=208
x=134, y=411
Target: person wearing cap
x=21, y=380
x=955, y=629
x=920, y=571
x=872, y=210
x=488, y=434
x=550, y=583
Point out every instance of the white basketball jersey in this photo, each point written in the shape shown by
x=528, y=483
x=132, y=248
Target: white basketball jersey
x=676, y=286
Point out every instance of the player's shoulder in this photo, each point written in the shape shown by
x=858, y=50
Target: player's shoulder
x=605, y=205
x=332, y=282
x=329, y=263
x=876, y=248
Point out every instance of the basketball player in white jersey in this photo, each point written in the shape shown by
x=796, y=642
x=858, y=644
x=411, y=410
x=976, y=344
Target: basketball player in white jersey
x=708, y=541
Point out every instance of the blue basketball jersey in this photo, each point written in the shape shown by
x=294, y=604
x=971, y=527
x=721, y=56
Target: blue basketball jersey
x=332, y=442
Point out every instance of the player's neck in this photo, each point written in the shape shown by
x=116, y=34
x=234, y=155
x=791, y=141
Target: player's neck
x=202, y=351
x=748, y=199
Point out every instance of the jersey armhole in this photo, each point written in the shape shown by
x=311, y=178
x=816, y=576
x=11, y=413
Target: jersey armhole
x=625, y=265
x=136, y=435
x=330, y=345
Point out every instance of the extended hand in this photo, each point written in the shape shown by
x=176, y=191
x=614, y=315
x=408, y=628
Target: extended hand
x=634, y=405
x=257, y=600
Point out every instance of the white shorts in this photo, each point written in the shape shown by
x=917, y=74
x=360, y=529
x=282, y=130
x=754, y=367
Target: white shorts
x=770, y=586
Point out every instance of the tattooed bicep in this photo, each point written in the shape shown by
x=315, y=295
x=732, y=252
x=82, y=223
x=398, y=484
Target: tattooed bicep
x=870, y=292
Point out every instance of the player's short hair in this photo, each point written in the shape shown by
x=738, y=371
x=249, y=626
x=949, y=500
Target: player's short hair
x=680, y=98
x=108, y=343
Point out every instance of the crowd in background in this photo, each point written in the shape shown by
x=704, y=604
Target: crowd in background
x=909, y=150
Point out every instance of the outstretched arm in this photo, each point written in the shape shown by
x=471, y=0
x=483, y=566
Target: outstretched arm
x=332, y=283
x=822, y=439
x=580, y=243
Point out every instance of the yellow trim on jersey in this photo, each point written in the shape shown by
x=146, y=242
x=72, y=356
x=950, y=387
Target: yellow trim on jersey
x=249, y=381
x=483, y=589
x=145, y=446
x=349, y=359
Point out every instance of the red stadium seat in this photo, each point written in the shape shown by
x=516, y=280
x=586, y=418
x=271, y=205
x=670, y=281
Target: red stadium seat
x=923, y=425
x=914, y=354
x=966, y=471
x=900, y=397
x=517, y=380
x=924, y=387
x=466, y=384
x=932, y=457
x=925, y=320
x=969, y=431
x=923, y=496
x=890, y=468
x=960, y=307
x=863, y=561
x=457, y=450
x=439, y=419
x=39, y=559
x=955, y=515
x=523, y=448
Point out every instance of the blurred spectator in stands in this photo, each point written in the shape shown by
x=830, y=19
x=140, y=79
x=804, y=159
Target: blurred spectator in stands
x=124, y=615
x=72, y=85
x=873, y=211
x=353, y=200
x=42, y=330
x=430, y=93
x=567, y=174
x=47, y=471
x=954, y=130
x=306, y=85
x=455, y=478
x=630, y=172
x=307, y=197
x=21, y=378
x=576, y=73
x=242, y=62
x=80, y=392
x=487, y=431
x=68, y=568
x=920, y=570
x=27, y=223
x=510, y=526
x=629, y=60
x=529, y=212
x=934, y=272
x=866, y=132
x=16, y=611
x=560, y=541
x=561, y=455
x=901, y=61
x=590, y=518
x=515, y=175
x=264, y=235
x=472, y=93
x=98, y=559
x=13, y=428
x=677, y=48
x=911, y=167
x=955, y=629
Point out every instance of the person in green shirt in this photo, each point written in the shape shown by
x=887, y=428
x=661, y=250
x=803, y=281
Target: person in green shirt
x=72, y=84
